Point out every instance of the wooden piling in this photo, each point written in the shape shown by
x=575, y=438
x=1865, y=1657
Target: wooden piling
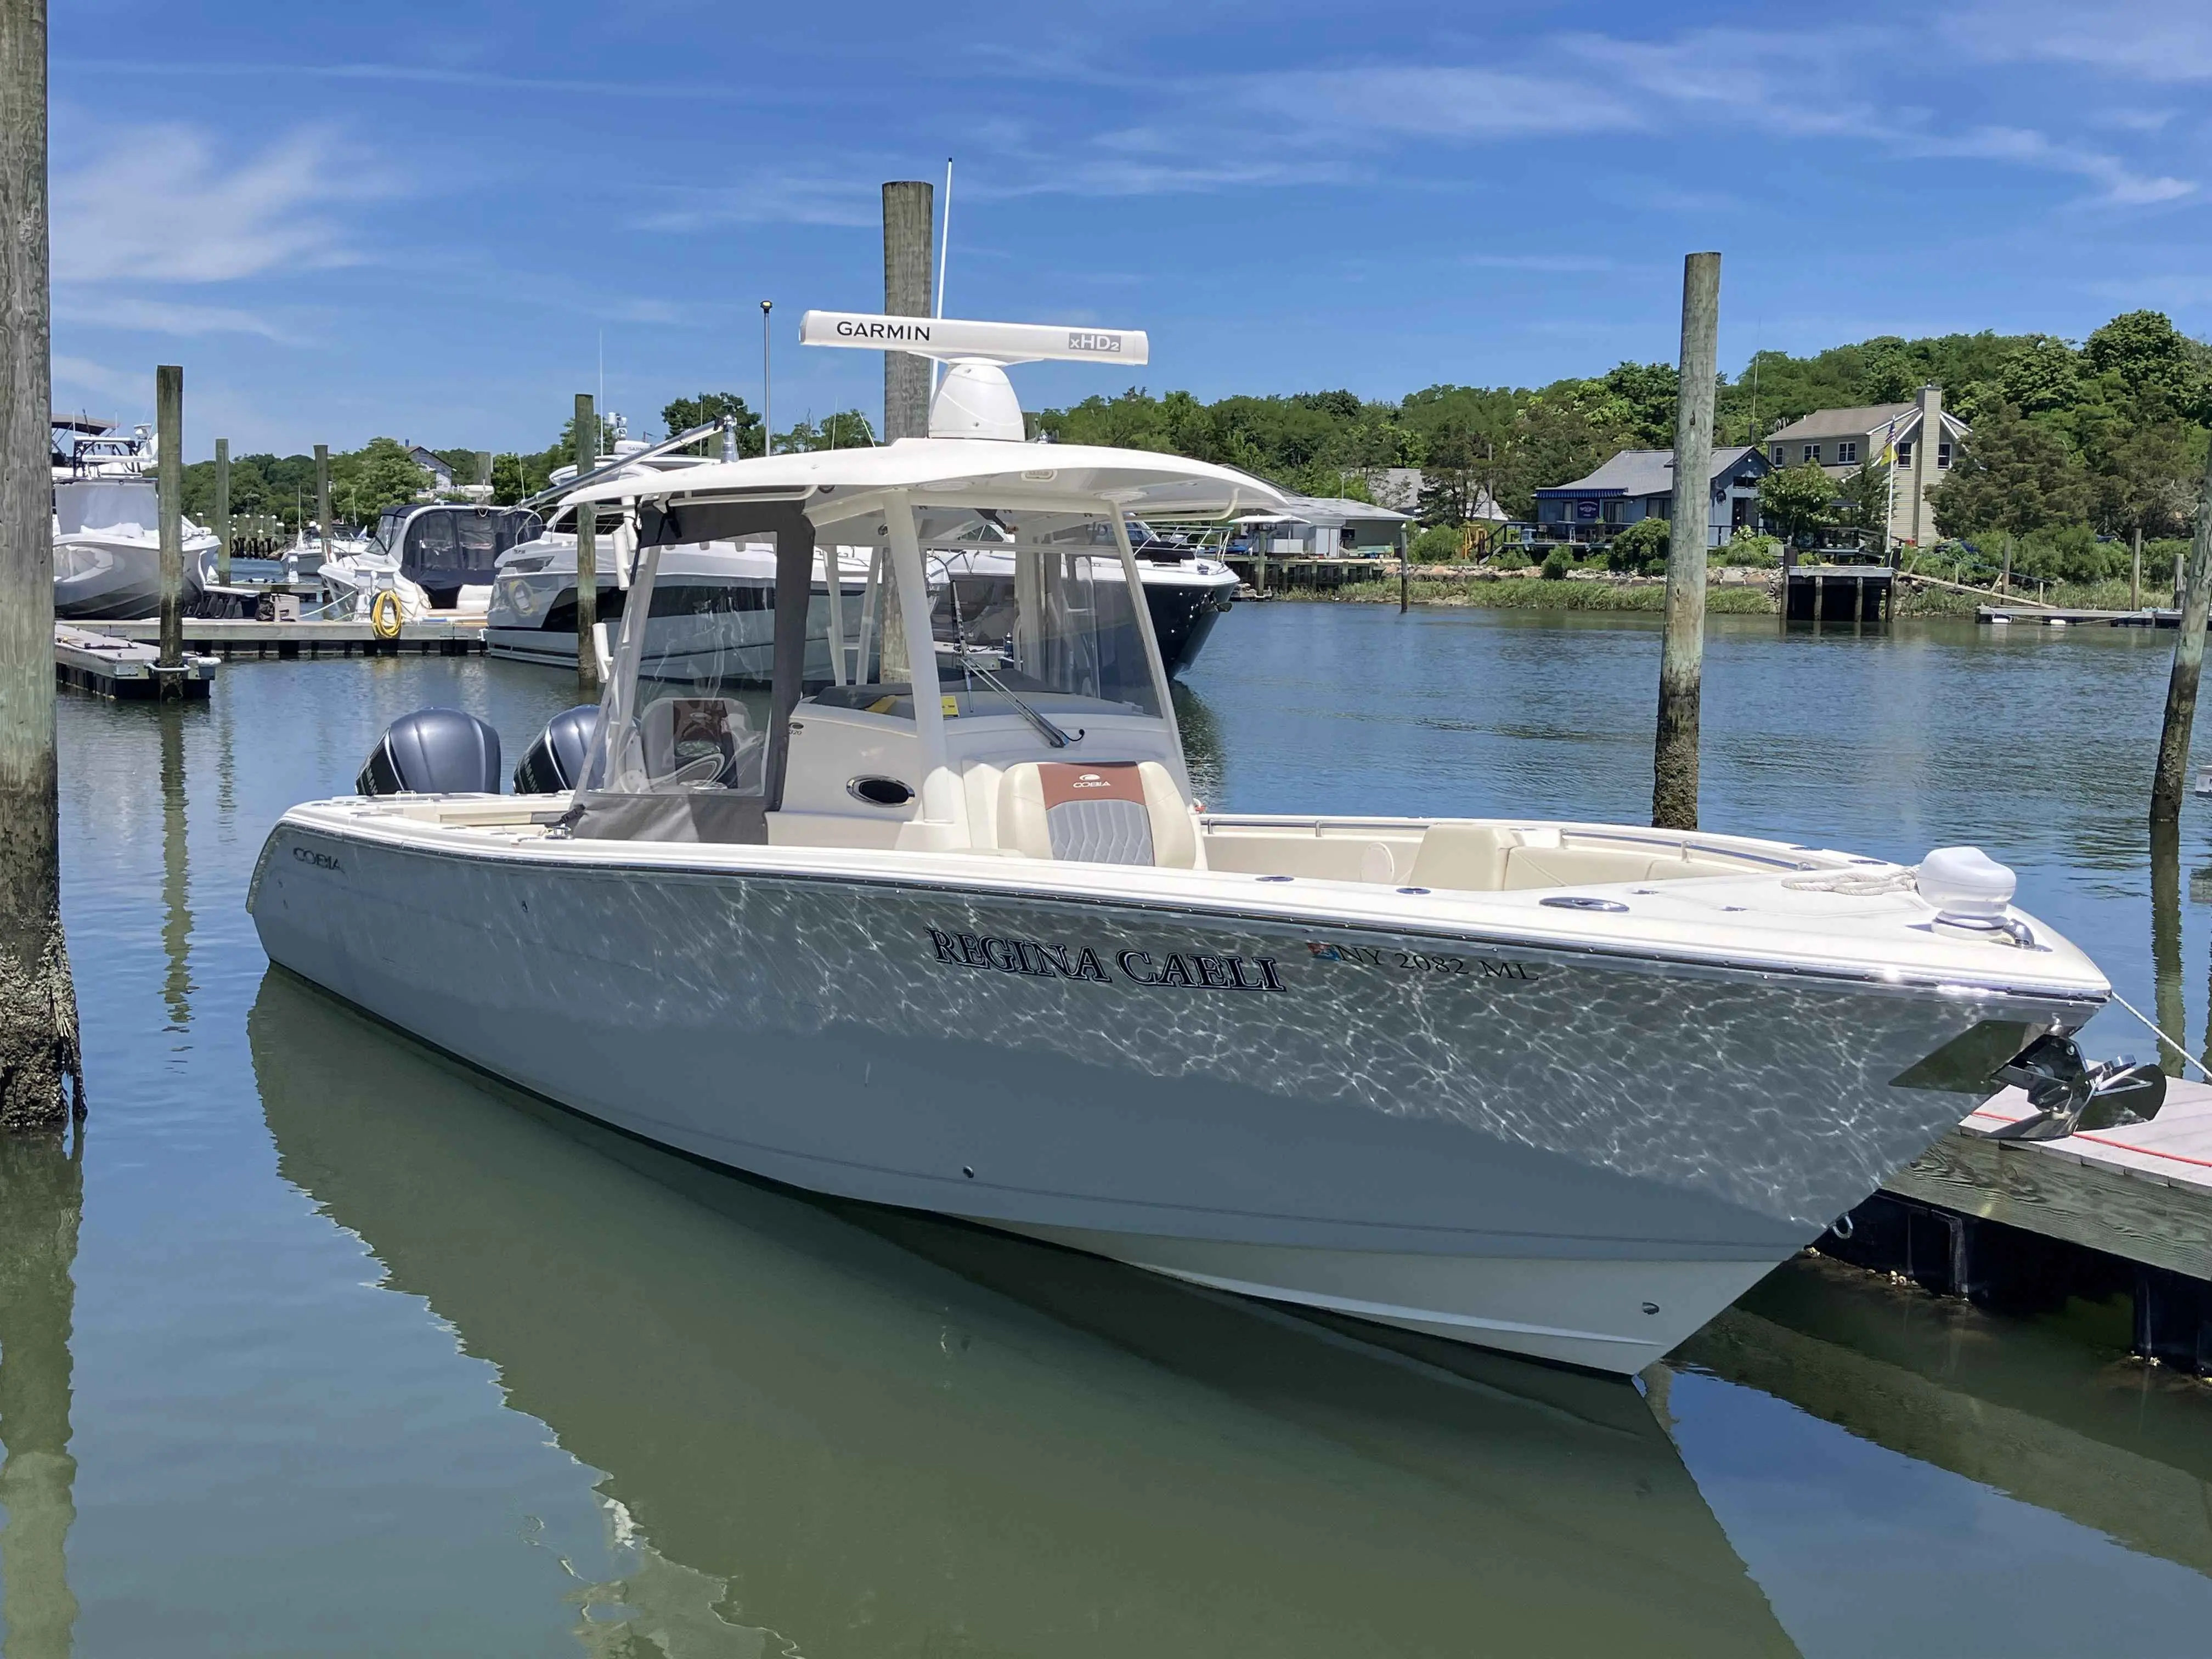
x=39, y=1060
x=587, y=553
x=169, y=508
x=2188, y=666
x=1405, y=573
x=909, y=229
x=222, y=512
x=1682, y=649
x=2135, y=573
x=323, y=497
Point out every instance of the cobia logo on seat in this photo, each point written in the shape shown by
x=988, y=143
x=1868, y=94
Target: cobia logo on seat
x=1194, y=971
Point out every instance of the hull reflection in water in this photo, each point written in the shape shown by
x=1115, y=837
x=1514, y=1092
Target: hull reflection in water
x=875, y=1431
x=2037, y=1411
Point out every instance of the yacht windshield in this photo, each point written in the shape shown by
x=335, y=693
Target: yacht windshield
x=1039, y=628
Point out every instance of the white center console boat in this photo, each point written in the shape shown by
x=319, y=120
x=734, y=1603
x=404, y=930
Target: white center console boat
x=932, y=920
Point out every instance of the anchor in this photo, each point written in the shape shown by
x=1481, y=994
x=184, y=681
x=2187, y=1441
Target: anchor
x=2071, y=1096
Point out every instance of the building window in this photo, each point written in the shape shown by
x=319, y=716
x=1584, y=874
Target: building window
x=1942, y=456
x=1847, y=453
x=1776, y=455
x=1812, y=453
x=1905, y=452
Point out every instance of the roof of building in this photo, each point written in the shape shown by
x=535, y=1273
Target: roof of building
x=1844, y=423
x=1903, y=419
x=423, y=457
x=1646, y=472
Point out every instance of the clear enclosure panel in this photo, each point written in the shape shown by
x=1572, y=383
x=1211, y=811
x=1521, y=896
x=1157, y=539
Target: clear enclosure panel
x=695, y=715
x=1048, y=622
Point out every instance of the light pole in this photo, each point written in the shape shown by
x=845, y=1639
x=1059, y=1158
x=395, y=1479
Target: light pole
x=768, y=425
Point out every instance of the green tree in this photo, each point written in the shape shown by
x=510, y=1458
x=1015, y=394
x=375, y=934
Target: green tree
x=380, y=476
x=1641, y=548
x=2044, y=374
x=2147, y=479
x=1797, y=501
x=847, y=429
x=682, y=414
x=1865, y=496
x=2142, y=352
x=2016, y=476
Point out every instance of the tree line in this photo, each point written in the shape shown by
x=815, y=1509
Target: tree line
x=2071, y=442
x=383, y=473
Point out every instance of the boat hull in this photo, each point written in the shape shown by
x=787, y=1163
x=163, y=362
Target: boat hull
x=1558, y=1154
x=109, y=578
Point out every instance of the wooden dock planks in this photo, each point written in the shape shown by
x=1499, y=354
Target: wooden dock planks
x=2142, y=1192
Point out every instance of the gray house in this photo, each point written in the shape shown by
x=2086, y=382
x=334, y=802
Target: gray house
x=441, y=475
x=1639, y=483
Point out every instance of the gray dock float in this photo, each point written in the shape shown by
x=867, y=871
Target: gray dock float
x=2149, y=616
x=2028, y=1225
x=111, y=667
x=237, y=636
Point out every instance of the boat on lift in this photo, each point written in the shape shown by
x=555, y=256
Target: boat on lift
x=934, y=921
x=108, y=526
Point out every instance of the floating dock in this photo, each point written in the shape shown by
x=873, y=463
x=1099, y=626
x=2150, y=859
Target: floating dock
x=2026, y=1225
x=111, y=667
x=2149, y=616
x=236, y=636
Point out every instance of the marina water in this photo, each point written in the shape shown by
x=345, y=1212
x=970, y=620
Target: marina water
x=367, y=1354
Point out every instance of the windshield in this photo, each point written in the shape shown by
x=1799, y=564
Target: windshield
x=1047, y=624
x=123, y=504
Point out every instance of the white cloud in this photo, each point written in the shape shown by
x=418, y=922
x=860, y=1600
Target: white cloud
x=159, y=205
x=163, y=316
x=816, y=199
x=2120, y=185
x=2160, y=40
x=82, y=374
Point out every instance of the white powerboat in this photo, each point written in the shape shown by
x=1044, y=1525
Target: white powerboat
x=107, y=535
x=451, y=550
x=934, y=921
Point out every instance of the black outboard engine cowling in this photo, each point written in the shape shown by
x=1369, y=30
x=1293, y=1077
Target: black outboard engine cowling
x=433, y=751
x=556, y=761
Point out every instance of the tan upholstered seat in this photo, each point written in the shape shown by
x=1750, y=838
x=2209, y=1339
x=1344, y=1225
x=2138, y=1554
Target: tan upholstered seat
x=1103, y=812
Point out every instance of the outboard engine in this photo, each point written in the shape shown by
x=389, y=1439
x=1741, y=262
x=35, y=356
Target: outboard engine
x=433, y=751
x=556, y=761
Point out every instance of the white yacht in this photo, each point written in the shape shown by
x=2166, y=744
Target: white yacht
x=452, y=549
x=938, y=924
x=107, y=526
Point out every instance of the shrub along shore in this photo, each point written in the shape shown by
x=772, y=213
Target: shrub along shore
x=1751, y=593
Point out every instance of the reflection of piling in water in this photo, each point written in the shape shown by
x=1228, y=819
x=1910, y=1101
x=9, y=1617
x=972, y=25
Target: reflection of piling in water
x=41, y=1198
x=980, y=1442
x=176, y=862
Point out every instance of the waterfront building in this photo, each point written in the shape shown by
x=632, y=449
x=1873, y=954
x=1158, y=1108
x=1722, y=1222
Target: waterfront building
x=1841, y=440
x=1639, y=483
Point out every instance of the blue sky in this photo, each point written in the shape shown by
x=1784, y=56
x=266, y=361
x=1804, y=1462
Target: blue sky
x=421, y=220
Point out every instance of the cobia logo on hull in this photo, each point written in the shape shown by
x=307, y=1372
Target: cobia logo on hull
x=1193, y=970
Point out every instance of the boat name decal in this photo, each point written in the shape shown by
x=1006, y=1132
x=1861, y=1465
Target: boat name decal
x=320, y=860
x=1196, y=971
x=1375, y=955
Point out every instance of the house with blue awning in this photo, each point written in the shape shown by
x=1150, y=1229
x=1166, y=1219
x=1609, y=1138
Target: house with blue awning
x=1639, y=483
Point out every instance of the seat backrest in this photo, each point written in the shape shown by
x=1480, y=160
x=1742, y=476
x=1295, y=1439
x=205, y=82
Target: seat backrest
x=676, y=732
x=1461, y=857
x=1105, y=812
